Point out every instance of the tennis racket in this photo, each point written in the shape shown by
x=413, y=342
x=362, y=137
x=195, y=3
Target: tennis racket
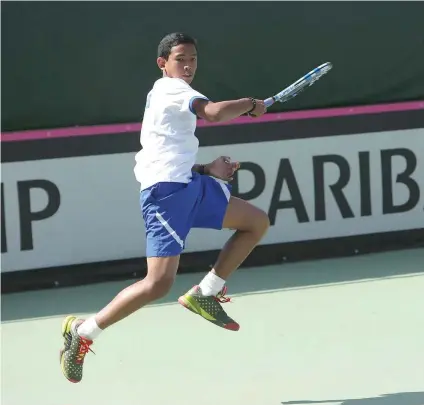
x=294, y=89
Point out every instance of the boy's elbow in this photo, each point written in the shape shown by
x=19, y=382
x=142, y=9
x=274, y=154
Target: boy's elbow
x=215, y=117
x=212, y=113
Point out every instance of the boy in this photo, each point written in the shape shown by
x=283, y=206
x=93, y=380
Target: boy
x=177, y=195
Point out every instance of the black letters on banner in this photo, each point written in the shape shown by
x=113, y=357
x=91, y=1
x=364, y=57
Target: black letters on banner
x=404, y=178
x=27, y=216
x=336, y=188
x=285, y=172
x=258, y=185
x=365, y=182
x=3, y=223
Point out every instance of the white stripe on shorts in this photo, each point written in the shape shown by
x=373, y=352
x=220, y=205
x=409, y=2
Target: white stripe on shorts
x=224, y=188
x=169, y=229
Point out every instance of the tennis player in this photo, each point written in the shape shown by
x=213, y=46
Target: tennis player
x=176, y=195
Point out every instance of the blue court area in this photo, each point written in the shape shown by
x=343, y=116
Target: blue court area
x=331, y=332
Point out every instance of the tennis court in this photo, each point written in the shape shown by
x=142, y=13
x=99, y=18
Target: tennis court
x=342, y=332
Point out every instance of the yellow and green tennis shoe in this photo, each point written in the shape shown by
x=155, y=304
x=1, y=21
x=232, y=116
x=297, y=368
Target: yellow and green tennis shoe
x=75, y=348
x=209, y=307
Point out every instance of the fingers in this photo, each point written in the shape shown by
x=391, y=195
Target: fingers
x=224, y=168
x=227, y=160
x=234, y=167
x=260, y=109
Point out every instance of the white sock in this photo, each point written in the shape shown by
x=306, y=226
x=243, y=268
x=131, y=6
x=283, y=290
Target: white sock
x=211, y=284
x=89, y=329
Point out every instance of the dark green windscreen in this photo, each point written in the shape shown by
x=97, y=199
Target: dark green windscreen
x=86, y=63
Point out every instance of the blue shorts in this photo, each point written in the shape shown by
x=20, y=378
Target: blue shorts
x=170, y=210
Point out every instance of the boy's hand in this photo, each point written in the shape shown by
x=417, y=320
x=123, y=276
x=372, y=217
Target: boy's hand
x=222, y=168
x=259, y=110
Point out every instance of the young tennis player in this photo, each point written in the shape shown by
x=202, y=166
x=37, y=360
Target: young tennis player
x=176, y=195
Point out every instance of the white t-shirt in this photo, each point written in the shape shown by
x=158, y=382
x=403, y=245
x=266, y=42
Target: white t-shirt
x=169, y=146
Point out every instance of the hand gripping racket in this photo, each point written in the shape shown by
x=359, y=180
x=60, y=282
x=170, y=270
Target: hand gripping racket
x=294, y=89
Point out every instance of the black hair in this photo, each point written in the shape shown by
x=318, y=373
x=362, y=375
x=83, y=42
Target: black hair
x=171, y=40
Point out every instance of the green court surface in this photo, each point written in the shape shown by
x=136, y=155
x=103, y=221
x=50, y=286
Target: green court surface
x=332, y=332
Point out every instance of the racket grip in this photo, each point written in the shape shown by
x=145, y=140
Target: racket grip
x=269, y=102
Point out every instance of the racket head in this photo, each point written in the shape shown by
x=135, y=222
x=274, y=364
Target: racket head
x=301, y=84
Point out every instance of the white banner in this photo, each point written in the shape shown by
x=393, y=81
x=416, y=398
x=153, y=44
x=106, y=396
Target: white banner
x=86, y=209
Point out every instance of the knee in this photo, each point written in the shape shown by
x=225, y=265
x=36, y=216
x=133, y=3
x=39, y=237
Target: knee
x=260, y=222
x=158, y=287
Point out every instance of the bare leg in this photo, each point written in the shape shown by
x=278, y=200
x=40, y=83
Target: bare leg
x=79, y=334
x=251, y=224
x=160, y=277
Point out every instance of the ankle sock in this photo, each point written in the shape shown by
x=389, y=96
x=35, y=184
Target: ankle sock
x=89, y=329
x=211, y=284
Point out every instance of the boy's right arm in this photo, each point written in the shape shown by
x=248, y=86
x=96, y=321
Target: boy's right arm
x=227, y=110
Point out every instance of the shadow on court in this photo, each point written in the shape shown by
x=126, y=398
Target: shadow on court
x=90, y=298
x=403, y=398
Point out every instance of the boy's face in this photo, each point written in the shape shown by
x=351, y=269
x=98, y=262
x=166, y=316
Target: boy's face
x=181, y=64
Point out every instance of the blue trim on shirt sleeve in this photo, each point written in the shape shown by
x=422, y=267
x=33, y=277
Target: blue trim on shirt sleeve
x=190, y=105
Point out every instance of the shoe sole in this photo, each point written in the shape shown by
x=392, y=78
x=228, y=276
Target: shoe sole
x=233, y=326
x=66, y=328
x=66, y=324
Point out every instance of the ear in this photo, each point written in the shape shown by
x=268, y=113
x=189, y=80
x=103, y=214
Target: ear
x=161, y=63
